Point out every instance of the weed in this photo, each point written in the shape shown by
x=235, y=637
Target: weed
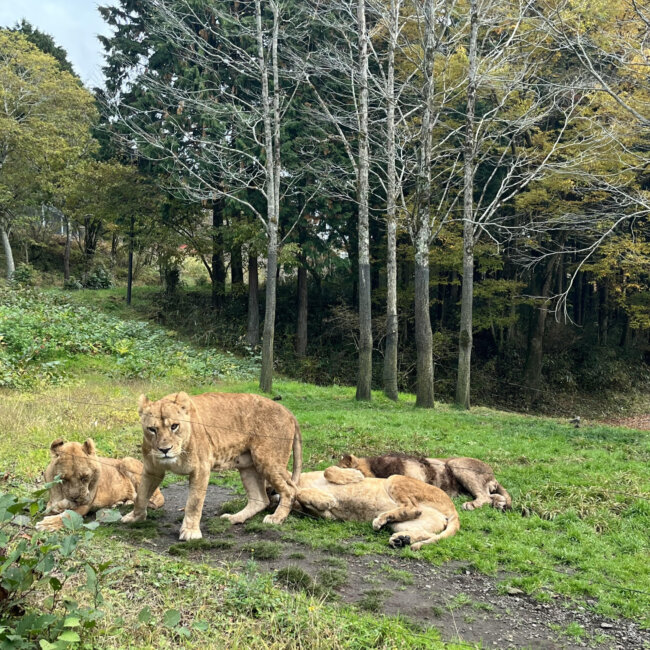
x=232, y=506
x=372, y=600
x=331, y=579
x=296, y=555
x=399, y=575
x=217, y=525
x=264, y=550
x=183, y=548
x=293, y=577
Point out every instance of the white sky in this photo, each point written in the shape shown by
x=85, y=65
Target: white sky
x=74, y=25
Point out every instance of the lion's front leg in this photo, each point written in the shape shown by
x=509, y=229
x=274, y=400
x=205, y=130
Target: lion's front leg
x=146, y=488
x=191, y=526
x=55, y=522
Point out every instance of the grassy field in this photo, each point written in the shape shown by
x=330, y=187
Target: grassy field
x=578, y=528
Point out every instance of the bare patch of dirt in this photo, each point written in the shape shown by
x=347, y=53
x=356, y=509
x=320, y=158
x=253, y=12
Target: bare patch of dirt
x=641, y=422
x=461, y=604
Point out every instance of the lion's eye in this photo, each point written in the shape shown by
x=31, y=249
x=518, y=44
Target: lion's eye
x=174, y=427
x=152, y=430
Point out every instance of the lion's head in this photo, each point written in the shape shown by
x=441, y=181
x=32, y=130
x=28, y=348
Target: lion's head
x=165, y=425
x=78, y=468
x=349, y=461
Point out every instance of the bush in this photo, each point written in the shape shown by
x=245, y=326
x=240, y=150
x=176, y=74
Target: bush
x=25, y=275
x=72, y=284
x=34, y=569
x=98, y=278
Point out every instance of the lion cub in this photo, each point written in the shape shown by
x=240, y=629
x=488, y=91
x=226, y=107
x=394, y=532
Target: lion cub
x=89, y=482
x=453, y=475
x=418, y=513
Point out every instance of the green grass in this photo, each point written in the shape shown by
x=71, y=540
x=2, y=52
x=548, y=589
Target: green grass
x=578, y=527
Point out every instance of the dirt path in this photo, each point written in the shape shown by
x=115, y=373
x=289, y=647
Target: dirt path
x=461, y=604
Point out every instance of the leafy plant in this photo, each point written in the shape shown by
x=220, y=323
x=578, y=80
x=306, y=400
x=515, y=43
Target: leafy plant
x=25, y=275
x=34, y=571
x=98, y=278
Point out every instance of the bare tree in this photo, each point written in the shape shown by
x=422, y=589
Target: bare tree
x=222, y=139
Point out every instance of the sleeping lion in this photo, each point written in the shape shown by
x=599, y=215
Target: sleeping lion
x=418, y=513
x=89, y=482
x=454, y=476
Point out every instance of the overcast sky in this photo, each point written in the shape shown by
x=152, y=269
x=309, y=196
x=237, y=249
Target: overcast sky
x=74, y=24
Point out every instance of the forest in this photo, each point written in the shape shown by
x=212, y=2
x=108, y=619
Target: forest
x=363, y=192
x=422, y=228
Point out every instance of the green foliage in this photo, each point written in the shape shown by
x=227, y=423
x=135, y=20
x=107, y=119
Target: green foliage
x=98, y=278
x=34, y=569
x=25, y=275
x=40, y=332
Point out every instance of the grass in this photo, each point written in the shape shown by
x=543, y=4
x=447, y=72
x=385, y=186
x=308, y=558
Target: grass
x=578, y=527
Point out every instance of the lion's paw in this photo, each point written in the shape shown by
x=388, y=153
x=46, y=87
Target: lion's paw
x=51, y=523
x=468, y=505
x=416, y=547
x=378, y=523
x=273, y=519
x=189, y=533
x=400, y=541
x=131, y=518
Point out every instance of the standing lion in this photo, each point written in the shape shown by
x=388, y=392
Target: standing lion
x=217, y=431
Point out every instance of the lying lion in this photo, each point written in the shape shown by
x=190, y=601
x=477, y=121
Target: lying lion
x=418, y=513
x=453, y=475
x=89, y=482
x=216, y=431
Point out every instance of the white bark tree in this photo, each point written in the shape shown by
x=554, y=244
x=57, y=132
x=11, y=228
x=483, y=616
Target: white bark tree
x=229, y=147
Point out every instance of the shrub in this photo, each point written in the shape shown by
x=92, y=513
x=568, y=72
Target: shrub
x=98, y=278
x=72, y=284
x=34, y=569
x=25, y=275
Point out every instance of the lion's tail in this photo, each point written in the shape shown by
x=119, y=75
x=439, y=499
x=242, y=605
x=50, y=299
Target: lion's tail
x=453, y=526
x=297, y=455
x=499, y=489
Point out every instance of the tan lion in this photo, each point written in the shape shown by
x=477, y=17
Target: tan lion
x=453, y=475
x=217, y=431
x=89, y=482
x=418, y=513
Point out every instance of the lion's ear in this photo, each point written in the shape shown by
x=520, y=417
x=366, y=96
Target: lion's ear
x=89, y=447
x=143, y=403
x=55, y=447
x=345, y=461
x=183, y=400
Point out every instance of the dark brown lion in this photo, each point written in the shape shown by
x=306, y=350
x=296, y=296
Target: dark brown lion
x=453, y=475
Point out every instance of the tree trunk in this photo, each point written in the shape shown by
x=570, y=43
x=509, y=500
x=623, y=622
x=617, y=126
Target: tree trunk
x=66, y=252
x=303, y=296
x=390, y=353
x=253, y=327
x=114, y=243
x=218, y=267
x=364, y=380
x=463, y=382
x=129, y=278
x=9, y=256
x=236, y=267
x=423, y=334
x=603, y=313
x=533, y=369
x=271, y=140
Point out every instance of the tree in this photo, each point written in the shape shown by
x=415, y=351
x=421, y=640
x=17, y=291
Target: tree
x=45, y=120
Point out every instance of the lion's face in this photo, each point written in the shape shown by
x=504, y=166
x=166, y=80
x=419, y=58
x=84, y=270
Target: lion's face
x=349, y=461
x=166, y=426
x=78, y=468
